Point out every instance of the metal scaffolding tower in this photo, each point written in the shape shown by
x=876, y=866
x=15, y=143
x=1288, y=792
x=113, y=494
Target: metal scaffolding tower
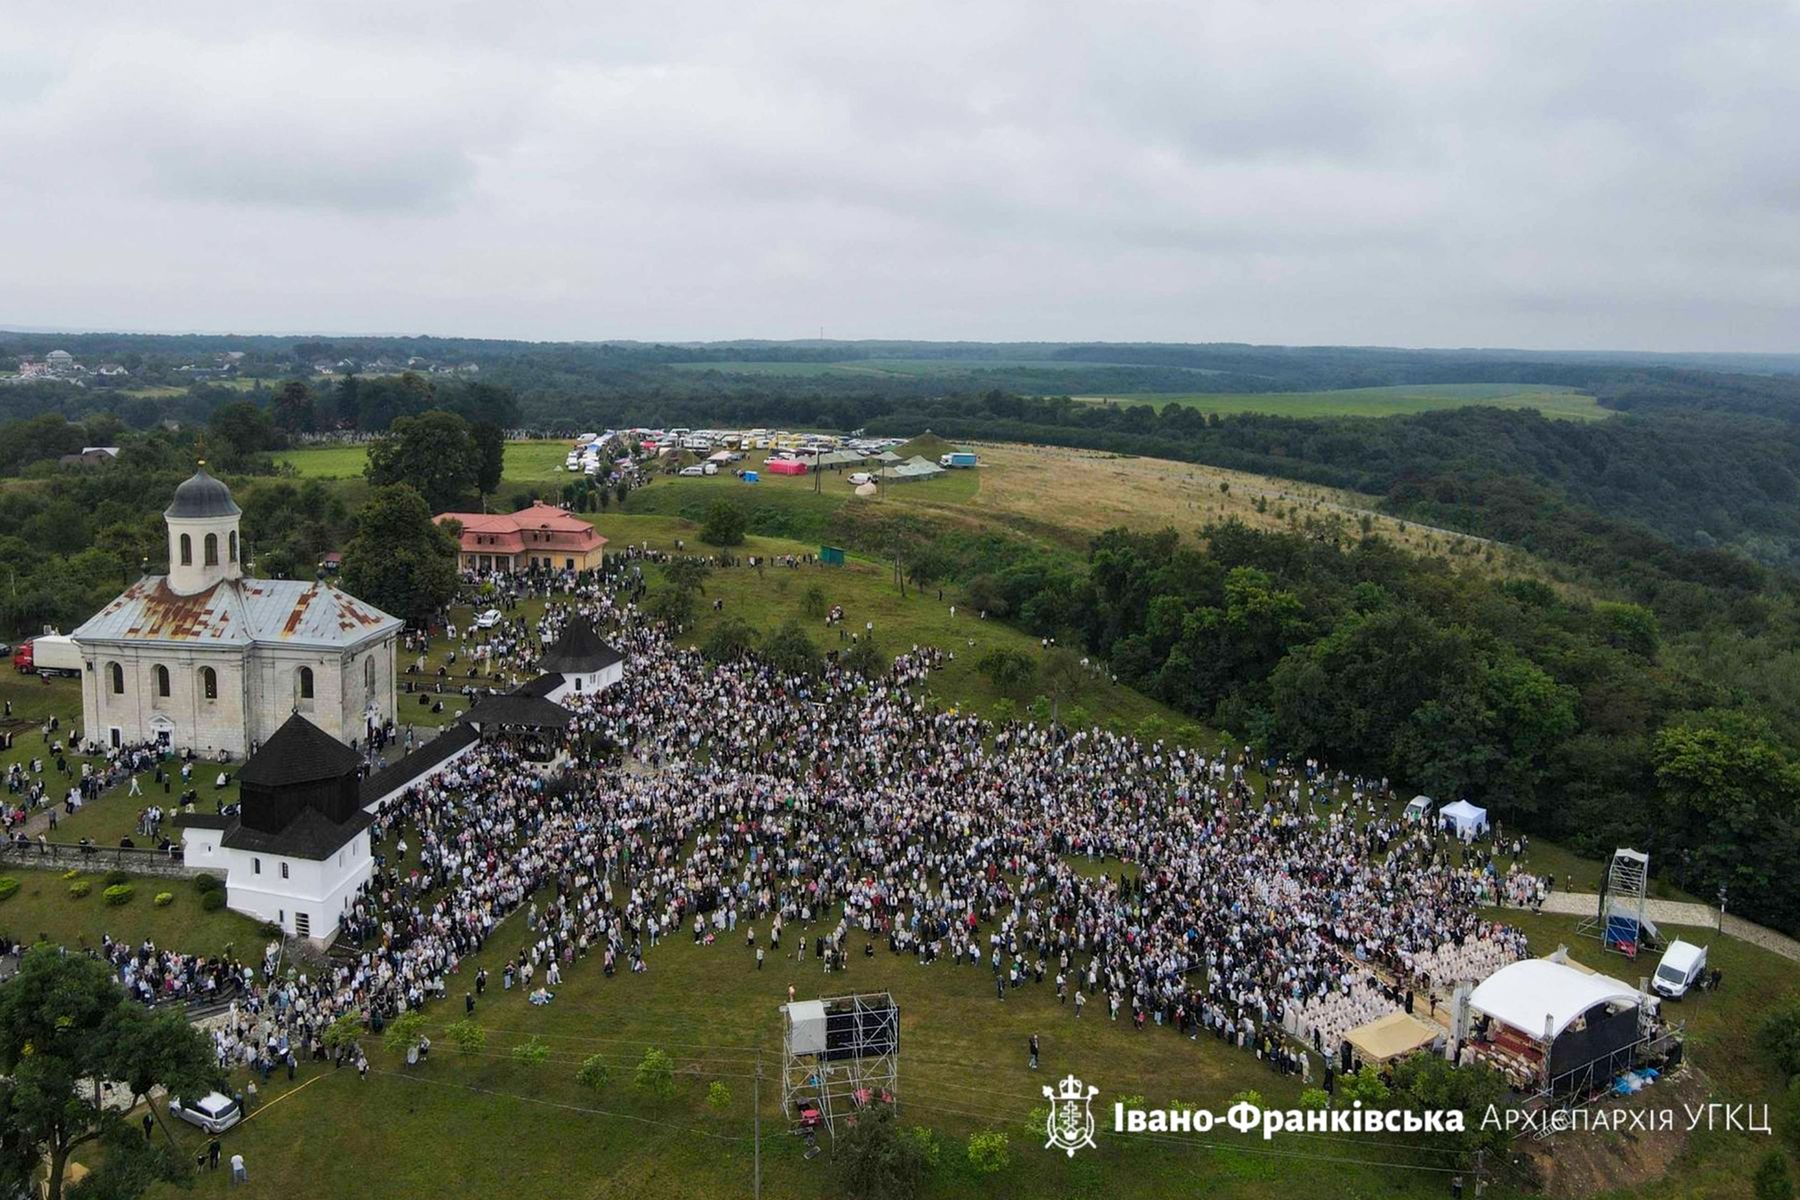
x=839, y=1055
x=1619, y=922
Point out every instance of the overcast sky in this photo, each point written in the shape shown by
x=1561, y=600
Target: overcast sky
x=1500, y=173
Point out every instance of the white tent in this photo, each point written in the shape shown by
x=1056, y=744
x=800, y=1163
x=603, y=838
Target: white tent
x=1463, y=819
x=1539, y=996
x=1418, y=807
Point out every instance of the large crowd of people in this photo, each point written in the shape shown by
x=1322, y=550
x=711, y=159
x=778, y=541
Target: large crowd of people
x=827, y=818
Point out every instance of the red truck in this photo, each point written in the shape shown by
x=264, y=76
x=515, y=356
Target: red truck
x=50, y=654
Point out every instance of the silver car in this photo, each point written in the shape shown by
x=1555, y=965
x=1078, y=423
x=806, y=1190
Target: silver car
x=213, y=1112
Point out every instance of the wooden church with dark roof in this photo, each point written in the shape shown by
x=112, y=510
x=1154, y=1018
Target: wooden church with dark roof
x=298, y=847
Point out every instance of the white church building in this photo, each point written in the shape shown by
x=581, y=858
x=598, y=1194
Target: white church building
x=208, y=659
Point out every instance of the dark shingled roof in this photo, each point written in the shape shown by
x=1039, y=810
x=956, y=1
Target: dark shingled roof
x=202, y=496
x=299, y=752
x=541, y=687
x=528, y=712
x=579, y=651
x=311, y=835
x=200, y=820
x=397, y=775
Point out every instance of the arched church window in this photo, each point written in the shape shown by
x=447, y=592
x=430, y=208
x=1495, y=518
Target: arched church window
x=306, y=683
x=233, y=544
x=162, y=681
x=187, y=550
x=118, y=678
x=212, y=549
x=209, y=683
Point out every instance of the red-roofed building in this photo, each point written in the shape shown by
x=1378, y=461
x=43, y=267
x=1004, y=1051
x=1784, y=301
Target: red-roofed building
x=540, y=536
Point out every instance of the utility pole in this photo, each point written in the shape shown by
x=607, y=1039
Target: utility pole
x=756, y=1108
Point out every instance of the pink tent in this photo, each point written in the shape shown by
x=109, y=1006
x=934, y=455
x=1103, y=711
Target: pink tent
x=785, y=466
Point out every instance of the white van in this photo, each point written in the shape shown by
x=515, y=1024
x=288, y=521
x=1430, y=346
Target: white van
x=1680, y=969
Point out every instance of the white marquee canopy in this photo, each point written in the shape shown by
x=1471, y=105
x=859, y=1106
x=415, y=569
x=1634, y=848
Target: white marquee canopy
x=1526, y=995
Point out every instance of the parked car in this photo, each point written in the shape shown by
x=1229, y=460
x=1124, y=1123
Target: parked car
x=692, y=471
x=859, y=478
x=213, y=1112
x=488, y=619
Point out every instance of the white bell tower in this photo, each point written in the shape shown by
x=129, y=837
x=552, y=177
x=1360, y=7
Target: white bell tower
x=203, y=535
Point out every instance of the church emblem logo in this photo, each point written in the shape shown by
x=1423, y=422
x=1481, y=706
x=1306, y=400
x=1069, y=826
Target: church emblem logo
x=1070, y=1122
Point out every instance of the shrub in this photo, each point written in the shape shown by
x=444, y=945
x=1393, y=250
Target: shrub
x=990, y=1152
x=9, y=887
x=342, y=1033
x=469, y=1037
x=925, y=1139
x=70, y=873
x=1780, y=1037
x=1315, y=1098
x=163, y=899
x=269, y=929
x=718, y=1096
x=1772, y=1182
x=655, y=1074
x=212, y=901
x=118, y=893
x=208, y=883
x=116, y=876
x=533, y=1052
x=402, y=1034
x=80, y=888
x=594, y=1073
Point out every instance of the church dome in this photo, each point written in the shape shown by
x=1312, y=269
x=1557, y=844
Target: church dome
x=202, y=496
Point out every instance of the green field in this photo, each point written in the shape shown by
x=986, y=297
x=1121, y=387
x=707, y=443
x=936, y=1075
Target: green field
x=1550, y=400
x=535, y=462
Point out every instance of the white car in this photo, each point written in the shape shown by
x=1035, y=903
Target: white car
x=213, y=1112
x=860, y=478
x=695, y=470
x=488, y=619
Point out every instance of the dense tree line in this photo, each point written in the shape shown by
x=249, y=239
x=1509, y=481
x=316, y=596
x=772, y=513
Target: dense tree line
x=1564, y=715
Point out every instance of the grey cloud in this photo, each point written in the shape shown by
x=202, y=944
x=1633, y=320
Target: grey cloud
x=1397, y=171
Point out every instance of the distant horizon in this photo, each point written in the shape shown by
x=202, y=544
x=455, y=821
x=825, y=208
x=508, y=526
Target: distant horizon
x=802, y=342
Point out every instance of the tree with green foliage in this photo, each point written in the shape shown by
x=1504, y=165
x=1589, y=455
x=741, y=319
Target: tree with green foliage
x=403, y=1032
x=490, y=456
x=466, y=1035
x=989, y=1152
x=1008, y=670
x=864, y=658
x=731, y=640
x=1062, y=676
x=434, y=453
x=813, y=602
x=1732, y=789
x=724, y=525
x=238, y=430
x=1779, y=1036
x=1772, y=1181
x=790, y=650
x=64, y=1022
x=875, y=1160
x=687, y=575
x=1426, y=1083
x=400, y=561
x=655, y=1074
x=293, y=410
x=593, y=1074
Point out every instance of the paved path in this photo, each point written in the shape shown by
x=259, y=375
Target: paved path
x=1677, y=912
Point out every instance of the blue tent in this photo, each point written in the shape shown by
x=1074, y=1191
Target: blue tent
x=750, y=477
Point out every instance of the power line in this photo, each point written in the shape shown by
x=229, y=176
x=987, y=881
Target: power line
x=577, y=1108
